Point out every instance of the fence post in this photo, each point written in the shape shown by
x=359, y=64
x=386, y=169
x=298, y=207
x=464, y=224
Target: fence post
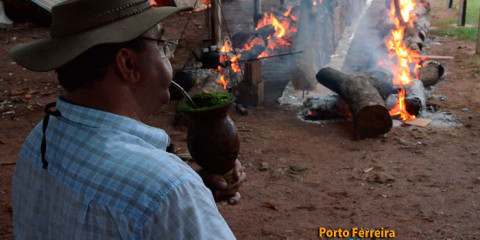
x=463, y=13
x=217, y=20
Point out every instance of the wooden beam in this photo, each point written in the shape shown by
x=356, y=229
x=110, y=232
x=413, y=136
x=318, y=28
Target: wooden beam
x=463, y=13
x=432, y=57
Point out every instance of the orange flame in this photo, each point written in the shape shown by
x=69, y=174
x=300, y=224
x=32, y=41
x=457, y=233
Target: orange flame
x=235, y=65
x=222, y=80
x=282, y=25
x=400, y=108
x=402, y=56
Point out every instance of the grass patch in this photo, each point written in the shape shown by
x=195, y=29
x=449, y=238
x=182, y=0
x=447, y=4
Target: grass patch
x=472, y=62
x=473, y=7
x=448, y=22
x=461, y=33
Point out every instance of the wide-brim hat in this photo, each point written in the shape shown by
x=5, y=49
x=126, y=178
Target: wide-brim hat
x=78, y=25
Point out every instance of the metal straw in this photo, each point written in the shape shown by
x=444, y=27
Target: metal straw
x=184, y=93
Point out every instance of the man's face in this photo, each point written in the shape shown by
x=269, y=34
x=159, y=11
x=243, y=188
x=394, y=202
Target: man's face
x=156, y=71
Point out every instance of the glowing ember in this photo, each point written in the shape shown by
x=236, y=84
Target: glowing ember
x=401, y=56
x=316, y=2
x=256, y=41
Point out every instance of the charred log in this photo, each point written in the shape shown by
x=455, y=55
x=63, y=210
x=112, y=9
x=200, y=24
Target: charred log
x=252, y=53
x=326, y=107
x=366, y=104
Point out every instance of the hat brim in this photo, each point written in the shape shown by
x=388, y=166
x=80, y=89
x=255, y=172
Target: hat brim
x=49, y=54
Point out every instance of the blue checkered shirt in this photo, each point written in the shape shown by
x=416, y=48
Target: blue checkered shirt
x=108, y=177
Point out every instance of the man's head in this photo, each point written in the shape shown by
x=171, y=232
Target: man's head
x=92, y=40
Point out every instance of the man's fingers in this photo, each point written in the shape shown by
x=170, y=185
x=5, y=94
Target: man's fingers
x=235, y=199
x=237, y=170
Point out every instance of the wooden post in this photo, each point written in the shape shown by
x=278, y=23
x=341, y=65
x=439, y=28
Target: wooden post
x=257, y=11
x=250, y=91
x=216, y=20
x=449, y=3
x=463, y=13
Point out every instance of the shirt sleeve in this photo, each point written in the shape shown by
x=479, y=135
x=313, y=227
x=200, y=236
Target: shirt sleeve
x=188, y=212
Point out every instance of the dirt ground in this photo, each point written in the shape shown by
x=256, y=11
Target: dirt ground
x=423, y=183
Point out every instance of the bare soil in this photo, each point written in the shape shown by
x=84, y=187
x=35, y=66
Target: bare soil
x=424, y=183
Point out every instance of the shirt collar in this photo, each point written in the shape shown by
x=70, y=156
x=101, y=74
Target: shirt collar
x=100, y=119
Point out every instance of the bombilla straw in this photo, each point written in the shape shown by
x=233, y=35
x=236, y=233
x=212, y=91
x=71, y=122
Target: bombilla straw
x=184, y=93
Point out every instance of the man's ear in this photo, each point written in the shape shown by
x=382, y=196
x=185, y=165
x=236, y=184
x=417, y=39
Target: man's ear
x=128, y=66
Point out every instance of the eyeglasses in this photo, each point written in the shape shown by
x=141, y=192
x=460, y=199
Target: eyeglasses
x=168, y=46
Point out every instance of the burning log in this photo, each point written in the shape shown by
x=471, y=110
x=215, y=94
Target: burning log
x=252, y=53
x=430, y=73
x=265, y=32
x=415, y=100
x=415, y=43
x=422, y=24
x=366, y=104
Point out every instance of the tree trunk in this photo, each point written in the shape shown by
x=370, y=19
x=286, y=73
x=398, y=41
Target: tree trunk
x=463, y=13
x=370, y=115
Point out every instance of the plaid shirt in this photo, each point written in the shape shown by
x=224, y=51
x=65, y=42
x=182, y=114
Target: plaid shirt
x=109, y=177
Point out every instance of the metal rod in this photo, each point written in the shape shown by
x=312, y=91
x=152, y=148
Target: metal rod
x=184, y=93
x=279, y=55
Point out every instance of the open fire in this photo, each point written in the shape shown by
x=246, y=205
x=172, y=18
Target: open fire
x=402, y=58
x=274, y=34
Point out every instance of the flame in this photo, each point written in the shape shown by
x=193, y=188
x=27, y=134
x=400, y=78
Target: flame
x=235, y=65
x=226, y=57
x=400, y=108
x=288, y=12
x=226, y=48
x=283, y=24
x=222, y=80
x=401, y=56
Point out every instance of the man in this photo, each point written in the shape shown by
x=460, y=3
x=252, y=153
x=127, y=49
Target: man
x=92, y=169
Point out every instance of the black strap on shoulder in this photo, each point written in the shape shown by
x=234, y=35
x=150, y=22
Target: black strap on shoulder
x=48, y=112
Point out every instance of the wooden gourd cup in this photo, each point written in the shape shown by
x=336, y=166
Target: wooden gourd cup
x=212, y=137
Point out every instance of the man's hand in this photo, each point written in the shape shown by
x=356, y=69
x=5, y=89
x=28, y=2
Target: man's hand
x=218, y=185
